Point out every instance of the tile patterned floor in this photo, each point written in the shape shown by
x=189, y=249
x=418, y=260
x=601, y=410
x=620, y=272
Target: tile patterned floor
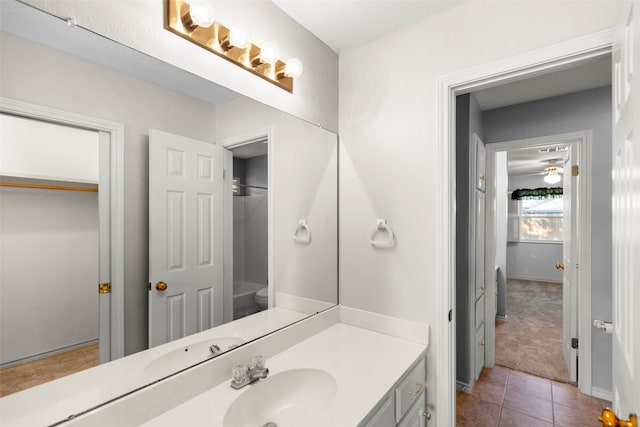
x=530, y=340
x=507, y=398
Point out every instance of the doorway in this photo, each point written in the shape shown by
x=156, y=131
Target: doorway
x=250, y=228
x=537, y=298
x=110, y=181
x=532, y=63
x=56, y=243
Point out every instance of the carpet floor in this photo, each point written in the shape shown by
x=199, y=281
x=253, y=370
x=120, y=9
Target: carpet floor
x=28, y=374
x=530, y=340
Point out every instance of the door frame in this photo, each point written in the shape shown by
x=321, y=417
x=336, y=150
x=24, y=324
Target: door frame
x=580, y=143
x=111, y=211
x=261, y=134
x=529, y=64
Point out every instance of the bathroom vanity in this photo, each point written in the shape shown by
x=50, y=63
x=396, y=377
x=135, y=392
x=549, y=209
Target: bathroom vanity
x=341, y=367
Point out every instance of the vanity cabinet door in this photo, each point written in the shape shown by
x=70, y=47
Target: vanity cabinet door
x=416, y=416
x=479, y=351
x=384, y=416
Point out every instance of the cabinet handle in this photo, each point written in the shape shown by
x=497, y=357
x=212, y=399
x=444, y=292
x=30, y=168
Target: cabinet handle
x=481, y=343
x=482, y=288
x=427, y=415
x=418, y=390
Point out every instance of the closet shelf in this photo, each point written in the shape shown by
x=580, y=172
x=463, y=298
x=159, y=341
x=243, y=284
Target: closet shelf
x=48, y=187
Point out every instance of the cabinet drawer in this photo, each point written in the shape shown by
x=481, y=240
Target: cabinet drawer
x=479, y=311
x=410, y=389
x=383, y=416
x=416, y=416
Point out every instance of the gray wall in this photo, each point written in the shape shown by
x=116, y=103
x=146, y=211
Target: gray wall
x=468, y=121
x=49, y=274
x=44, y=76
x=569, y=113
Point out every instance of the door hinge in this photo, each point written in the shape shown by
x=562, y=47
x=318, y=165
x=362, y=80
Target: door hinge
x=574, y=342
x=575, y=170
x=104, y=288
x=450, y=315
x=149, y=286
x=224, y=173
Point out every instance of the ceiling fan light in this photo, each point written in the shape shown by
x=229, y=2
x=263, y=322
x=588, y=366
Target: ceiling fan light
x=552, y=178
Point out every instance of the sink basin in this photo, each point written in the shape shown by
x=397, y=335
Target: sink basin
x=184, y=357
x=290, y=398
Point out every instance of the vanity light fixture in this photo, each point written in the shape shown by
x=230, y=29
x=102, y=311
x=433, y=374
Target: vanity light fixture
x=194, y=20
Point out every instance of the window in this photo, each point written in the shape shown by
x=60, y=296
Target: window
x=535, y=220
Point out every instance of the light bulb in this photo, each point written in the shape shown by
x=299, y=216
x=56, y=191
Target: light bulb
x=552, y=178
x=293, y=68
x=238, y=38
x=269, y=53
x=201, y=13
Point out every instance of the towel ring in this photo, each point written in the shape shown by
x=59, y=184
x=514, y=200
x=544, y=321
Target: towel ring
x=381, y=226
x=304, y=227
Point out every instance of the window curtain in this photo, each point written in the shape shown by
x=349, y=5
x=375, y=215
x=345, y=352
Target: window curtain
x=536, y=193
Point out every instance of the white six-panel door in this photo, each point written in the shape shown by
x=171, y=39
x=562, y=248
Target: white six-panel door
x=569, y=257
x=185, y=236
x=626, y=214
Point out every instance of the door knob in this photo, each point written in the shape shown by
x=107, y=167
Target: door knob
x=609, y=418
x=559, y=266
x=161, y=286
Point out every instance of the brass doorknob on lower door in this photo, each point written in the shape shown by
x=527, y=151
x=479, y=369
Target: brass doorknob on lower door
x=609, y=418
x=161, y=286
x=559, y=266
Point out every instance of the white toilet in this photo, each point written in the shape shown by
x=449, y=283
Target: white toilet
x=262, y=298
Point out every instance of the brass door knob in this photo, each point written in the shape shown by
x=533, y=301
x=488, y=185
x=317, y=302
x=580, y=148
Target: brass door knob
x=161, y=286
x=609, y=418
x=559, y=266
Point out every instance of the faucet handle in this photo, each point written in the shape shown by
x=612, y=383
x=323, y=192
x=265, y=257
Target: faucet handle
x=240, y=374
x=258, y=361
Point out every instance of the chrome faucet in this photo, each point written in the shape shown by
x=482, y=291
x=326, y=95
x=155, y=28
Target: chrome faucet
x=214, y=350
x=244, y=375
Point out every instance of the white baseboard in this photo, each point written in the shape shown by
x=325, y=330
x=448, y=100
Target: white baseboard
x=534, y=279
x=601, y=393
x=463, y=387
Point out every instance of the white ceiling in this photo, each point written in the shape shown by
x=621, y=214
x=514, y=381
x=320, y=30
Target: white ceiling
x=588, y=75
x=345, y=24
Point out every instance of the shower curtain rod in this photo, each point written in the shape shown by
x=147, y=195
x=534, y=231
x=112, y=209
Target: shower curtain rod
x=48, y=187
x=252, y=186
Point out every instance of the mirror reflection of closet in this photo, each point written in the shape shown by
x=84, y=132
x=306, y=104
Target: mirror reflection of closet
x=250, y=228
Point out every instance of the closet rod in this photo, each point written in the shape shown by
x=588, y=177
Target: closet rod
x=252, y=186
x=48, y=187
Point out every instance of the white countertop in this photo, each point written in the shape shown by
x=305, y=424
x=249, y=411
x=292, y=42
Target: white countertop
x=56, y=400
x=365, y=365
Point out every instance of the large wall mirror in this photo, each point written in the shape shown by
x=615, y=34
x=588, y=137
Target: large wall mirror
x=205, y=270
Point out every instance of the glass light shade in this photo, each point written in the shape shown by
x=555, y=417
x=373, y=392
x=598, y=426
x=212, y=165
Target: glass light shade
x=201, y=13
x=238, y=38
x=269, y=53
x=552, y=178
x=293, y=68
